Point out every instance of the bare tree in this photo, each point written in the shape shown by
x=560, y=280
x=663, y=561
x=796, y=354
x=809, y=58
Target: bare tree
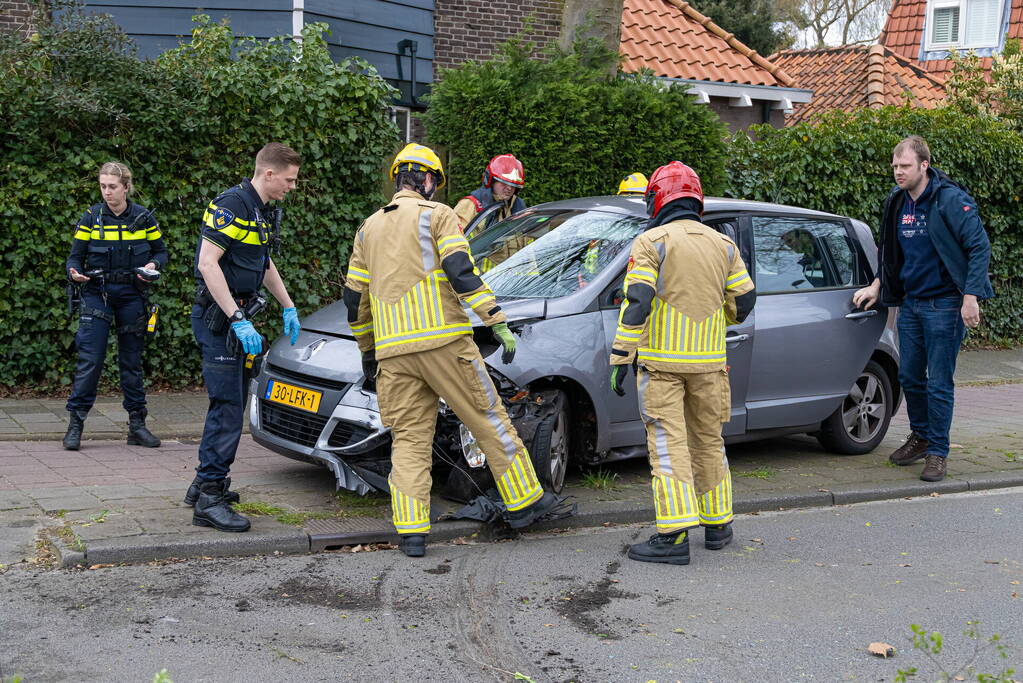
x=835, y=21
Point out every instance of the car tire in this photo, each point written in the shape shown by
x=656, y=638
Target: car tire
x=860, y=423
x=550, y=448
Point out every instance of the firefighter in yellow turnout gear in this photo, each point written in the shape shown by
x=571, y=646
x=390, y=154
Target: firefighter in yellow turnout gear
x=686, y=283
x=409, y=273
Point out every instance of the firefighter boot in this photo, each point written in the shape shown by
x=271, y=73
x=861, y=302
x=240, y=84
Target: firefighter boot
x=519, y=519
x=212, y=510
x=138, y=435
x=666, y=548
x=717, y=536
x=76, y=423
x=192, y=494
x=413, y=545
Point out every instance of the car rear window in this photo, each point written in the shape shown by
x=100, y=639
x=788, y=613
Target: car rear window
x=548, y=255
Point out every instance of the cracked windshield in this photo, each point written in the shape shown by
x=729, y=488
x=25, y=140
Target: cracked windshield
x=547, y=255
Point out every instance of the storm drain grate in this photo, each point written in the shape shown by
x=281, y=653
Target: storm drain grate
x=328, y=534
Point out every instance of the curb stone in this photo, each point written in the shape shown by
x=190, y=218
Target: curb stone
x=269, y=536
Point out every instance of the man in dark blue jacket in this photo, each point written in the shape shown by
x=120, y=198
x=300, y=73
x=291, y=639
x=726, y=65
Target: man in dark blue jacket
x=934, y=258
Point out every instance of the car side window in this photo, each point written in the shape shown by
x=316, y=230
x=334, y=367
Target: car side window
x=794, y=254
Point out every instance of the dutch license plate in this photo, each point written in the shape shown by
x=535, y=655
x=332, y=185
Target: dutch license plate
x=290, y=395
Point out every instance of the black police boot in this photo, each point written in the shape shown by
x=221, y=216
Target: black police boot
x=413, y=545
x=665, y=548
x=717, y=536
x=519, y=519
x=138, y=435
x=212, y=510
x=76, y=424
x=192, y=494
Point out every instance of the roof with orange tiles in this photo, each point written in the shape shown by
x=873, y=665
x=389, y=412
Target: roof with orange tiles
x=903, y=33
x=675, y=41
x=852, y=77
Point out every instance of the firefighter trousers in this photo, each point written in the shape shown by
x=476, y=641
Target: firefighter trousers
x=683, y=413
x=408, y=387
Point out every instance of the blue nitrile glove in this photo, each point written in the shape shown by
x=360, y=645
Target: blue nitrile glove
x=291, y=324
x=252, y=341
x=618, y=374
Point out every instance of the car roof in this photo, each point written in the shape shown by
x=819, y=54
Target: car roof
x=637, y=207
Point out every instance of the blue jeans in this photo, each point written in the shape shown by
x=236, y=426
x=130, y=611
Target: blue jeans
x=224, y=375
x=126, y=306
x=930, y=332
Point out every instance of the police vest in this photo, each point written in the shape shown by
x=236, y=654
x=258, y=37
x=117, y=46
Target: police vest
x=117, y=243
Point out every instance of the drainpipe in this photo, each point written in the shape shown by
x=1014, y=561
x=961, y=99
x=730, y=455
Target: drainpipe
x=297, y=19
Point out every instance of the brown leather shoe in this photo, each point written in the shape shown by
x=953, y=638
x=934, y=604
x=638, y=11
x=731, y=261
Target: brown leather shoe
x=934, y=468
x=908, y=453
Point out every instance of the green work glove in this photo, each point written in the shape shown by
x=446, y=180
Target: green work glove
x=618, y=373
x=507, y=339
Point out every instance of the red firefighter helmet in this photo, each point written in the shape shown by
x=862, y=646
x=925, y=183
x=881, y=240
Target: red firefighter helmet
x=507, y=169
x=670, y=182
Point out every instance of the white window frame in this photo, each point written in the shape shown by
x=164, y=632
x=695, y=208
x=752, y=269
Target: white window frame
x=406, y=135
x=964, y=18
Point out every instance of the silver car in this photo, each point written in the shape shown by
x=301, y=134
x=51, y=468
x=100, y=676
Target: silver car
x=803, y=362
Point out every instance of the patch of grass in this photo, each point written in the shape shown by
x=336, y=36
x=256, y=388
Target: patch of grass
x=162, y=676
x=258, y=508
x=101, y=517
x=758, y=473
x=353, y=505
x=600, y=480
x=1011, y=456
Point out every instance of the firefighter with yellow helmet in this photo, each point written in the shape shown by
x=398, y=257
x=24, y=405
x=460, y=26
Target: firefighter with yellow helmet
x=503, y=179
x=634, y=184
x=686, y=283
x=409, y=273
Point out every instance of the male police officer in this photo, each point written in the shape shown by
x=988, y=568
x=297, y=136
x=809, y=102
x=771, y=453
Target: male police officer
x=503, y=179
x=409, y=273
x=685, y=284
x=232, y=264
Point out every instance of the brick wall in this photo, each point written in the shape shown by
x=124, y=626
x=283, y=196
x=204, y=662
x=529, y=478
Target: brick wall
x=472, y=29
x=18, y=16
x=740, y=118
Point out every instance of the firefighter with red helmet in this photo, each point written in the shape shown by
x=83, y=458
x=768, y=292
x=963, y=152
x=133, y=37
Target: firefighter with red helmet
x=503, y=179
x=686, y=283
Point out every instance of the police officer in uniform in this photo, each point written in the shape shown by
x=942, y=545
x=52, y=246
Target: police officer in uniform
x=409, y=273
x=503, y=179
x=633, y=184
x=113, y=239
x=233, y=263
x=686, y=283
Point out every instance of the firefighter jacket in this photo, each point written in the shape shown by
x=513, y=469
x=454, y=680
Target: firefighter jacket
x=681, y=287
x=409, y=273
x=242, y=226
x=483, y=198
x=116, y=243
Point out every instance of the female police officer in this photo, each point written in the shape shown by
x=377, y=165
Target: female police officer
x=115, y=243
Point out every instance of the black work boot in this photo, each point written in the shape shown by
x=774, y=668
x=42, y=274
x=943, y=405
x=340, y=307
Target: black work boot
x=717, y=536
x=192, y=494
x=413, y=545
x=212, y=510
x=76, y=424
x=519, y=519
x=138, y=435
x=665, y=548
x=908, y=453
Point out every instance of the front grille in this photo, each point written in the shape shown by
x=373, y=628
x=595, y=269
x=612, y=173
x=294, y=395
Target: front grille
x=291, y=424
x=346, y=433
x=308, y=379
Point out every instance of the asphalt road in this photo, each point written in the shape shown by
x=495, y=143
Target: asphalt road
x=799, y=596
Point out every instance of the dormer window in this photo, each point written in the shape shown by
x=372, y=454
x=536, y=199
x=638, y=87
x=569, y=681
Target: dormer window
x=963, y=24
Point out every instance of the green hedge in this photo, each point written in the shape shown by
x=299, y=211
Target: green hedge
x=577, y=131
x=189, y=124
x=842, y=164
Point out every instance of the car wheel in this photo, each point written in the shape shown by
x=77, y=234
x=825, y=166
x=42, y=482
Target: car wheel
x=858, y=425
x=550, y=450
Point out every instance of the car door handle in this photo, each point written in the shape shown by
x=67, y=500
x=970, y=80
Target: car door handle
x=736, y=338
x=859, y=315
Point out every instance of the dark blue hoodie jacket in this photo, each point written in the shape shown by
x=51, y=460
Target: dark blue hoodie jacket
x=955, y=230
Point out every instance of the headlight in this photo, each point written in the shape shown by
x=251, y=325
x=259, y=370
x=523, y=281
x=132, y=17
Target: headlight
x=470, y=449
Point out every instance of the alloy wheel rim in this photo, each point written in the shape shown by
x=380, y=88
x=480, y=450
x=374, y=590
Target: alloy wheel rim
x=559, y=454
x=864, y=409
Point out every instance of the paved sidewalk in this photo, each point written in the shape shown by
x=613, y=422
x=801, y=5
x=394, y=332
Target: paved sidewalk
x=111, y=503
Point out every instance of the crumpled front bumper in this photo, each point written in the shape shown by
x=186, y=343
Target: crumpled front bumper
x=357, y=409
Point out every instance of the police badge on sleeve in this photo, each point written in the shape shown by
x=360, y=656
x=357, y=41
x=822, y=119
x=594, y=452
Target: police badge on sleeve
x=222, y=218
